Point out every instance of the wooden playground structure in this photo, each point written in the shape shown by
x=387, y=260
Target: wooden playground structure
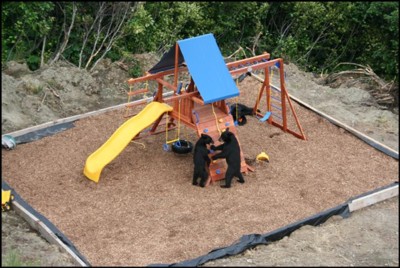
x=190, y=109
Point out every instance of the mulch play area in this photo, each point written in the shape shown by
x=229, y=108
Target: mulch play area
x=144, y=210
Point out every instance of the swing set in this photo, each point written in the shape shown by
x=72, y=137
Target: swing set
x=190, y=109
x=202, y=105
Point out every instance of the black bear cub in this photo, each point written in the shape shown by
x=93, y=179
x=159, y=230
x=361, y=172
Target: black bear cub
x=230, y=150
x=240, y=110
x=201, y=160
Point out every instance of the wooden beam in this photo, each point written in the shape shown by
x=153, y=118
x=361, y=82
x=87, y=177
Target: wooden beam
x=159, y=94
x=249, y=68
x=166, y=84
x=198, y=100
x=236, y=67
x=176, y=64
x=373, y=198
x=283, y=98
x=45, y=231
x=150, y=76
x=139, y=91
x=260, y=58
x=182, y=95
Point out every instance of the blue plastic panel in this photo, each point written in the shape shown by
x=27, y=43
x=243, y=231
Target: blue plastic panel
x=208, y=68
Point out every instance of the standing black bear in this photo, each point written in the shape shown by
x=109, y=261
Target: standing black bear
x=230, y=150
x=201, y=159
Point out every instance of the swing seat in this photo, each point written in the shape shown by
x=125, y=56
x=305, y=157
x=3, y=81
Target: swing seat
x=265, y=117
x=182, y=147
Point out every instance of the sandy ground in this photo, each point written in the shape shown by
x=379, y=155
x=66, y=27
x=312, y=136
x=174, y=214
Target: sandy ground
x=337, y=242
x=355, y=241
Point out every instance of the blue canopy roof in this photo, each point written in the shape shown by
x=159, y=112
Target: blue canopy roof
x=208, y=68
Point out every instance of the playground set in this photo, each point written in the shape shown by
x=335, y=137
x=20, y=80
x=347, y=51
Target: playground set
x=201, y=104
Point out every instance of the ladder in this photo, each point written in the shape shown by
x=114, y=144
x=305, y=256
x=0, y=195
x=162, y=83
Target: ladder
x=211, y=124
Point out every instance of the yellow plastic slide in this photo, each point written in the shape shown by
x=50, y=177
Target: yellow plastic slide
x=121, y=138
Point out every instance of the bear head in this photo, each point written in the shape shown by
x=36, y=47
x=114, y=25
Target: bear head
x=225, y=136
x=206, y=139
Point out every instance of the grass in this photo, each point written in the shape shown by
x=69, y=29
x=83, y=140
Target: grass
x=13, y=259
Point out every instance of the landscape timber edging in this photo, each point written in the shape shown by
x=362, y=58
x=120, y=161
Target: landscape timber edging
x=46, y=232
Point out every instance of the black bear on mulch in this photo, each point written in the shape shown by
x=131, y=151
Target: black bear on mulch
x=201, y=160
x=239, y=112
x=230, y=150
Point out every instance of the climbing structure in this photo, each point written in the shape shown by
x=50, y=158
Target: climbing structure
x=212, y=119
x=200, y=104
x=277, y=100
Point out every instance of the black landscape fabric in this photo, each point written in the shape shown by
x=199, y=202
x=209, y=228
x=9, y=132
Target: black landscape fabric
x=54, y=229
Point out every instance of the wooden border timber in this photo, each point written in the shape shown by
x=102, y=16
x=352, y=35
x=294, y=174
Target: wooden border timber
x=45, y=231
x=373, y=198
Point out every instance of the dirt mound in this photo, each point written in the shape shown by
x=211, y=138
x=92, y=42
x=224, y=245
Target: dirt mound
x=62, y=90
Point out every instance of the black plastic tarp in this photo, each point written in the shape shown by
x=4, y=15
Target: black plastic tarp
x=44, y=132
x=167, y=61
x=252, y=240
x=43, y=219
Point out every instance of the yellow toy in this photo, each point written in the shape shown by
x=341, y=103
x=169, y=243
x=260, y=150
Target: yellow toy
x=263, y=157
x=6, y=198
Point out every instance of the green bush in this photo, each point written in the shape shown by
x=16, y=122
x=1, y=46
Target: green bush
x=33, y=62
x=136, y=69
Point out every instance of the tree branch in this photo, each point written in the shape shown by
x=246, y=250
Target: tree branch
x=67, y=33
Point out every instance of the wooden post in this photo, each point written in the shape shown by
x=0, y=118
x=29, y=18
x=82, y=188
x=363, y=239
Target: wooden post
x=268, y=89
x=283, y=94
x=176, y=65
x=159, y=96
x=260, y=95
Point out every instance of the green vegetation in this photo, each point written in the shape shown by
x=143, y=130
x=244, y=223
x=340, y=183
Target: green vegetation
x=315, y=35
x=33, y=88
x=136, y=68
x=14, y=259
